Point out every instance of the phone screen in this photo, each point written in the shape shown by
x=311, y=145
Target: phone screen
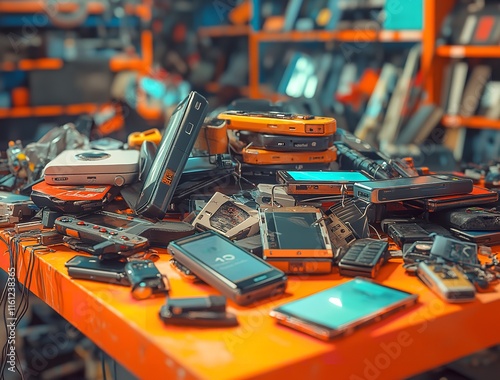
x=225, y=258
x=346, y=303
x=290, y=230
x=326, y=176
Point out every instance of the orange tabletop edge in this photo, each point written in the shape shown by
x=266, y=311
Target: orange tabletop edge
x=132, y=332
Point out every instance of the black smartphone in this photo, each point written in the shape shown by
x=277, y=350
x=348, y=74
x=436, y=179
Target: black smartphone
x=406, y=188
x=91, y=268
x=236, y=273
x=479, y=237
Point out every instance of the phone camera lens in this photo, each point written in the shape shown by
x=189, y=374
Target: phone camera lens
x=92, y=156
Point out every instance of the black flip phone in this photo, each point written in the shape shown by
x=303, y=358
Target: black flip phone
x=91, y=268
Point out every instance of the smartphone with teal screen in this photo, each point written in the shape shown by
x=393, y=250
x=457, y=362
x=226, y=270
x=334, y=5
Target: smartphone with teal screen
x=344, y=308
x=319, y=182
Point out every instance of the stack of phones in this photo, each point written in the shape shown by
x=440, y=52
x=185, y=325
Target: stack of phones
x=273, y=138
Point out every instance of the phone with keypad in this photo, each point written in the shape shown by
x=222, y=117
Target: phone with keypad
x=364, y=258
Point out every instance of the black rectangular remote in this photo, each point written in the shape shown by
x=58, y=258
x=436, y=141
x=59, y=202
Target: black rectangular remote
x=364, y=258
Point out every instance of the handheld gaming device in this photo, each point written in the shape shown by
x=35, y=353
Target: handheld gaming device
x=159, y=233
x=104, y=240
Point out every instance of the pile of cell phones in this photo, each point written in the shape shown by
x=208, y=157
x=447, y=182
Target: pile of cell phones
x=146, y=281
x=450, y=267
x=312, y=220
x=295, y=239
x=244, y=278
x=281, y=138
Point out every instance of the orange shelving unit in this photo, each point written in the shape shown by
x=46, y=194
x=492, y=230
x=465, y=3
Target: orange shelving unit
x=460, y=51
x=369, y=35
x=478, y=122
x=16, y=6
x=256, y=36
x=140, y=63
x=434, y=60
x=33, y=64
x=356, y=36
x=93, y=7
x=48, y=111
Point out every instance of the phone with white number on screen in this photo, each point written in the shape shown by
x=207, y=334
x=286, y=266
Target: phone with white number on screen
x=236, y=273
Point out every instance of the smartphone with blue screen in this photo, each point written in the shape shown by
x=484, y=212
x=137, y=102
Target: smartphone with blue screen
x=344, y=308
x=320, y=182
x=237, y=274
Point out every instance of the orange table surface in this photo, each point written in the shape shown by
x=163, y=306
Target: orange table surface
x=427, y=335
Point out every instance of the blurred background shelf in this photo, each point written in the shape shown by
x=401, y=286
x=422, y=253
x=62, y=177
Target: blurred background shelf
x=48, y=111
x=477, y=122
x=461, y=51
x=341, y=35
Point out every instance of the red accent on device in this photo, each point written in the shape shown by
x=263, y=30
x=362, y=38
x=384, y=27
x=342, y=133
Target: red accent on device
x=484, y=28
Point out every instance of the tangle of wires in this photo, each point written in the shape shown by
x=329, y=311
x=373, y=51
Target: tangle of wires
x=14, y=290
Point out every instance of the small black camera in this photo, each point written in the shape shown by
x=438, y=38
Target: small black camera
x=146, y=279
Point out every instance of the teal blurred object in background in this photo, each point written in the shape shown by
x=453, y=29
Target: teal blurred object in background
x=403, y=15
